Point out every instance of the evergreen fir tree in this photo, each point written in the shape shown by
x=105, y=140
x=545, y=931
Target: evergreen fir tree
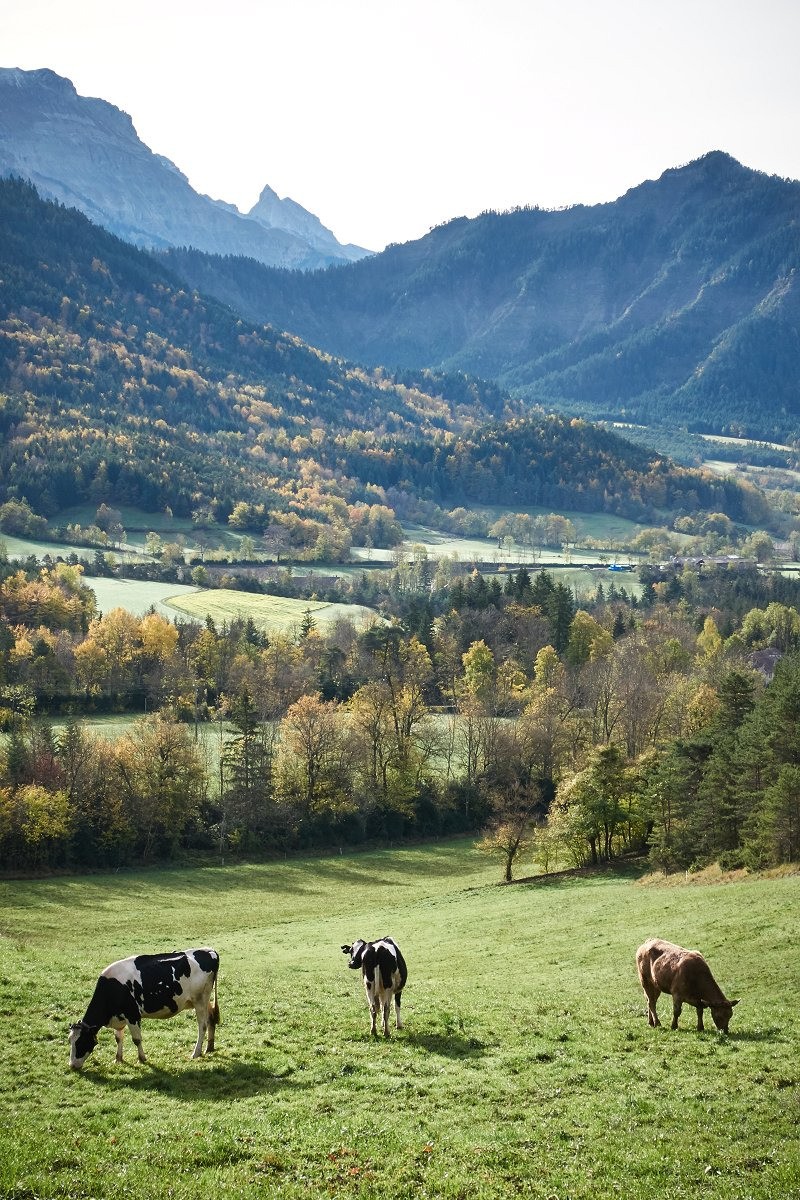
x=247, y=773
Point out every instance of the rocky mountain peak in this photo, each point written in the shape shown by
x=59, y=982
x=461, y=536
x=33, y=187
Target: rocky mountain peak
x=86, y=154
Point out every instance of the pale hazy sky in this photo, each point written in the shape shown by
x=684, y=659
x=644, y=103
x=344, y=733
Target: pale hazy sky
x=385, y=117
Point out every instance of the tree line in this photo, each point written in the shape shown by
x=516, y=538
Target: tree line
x=620, y=726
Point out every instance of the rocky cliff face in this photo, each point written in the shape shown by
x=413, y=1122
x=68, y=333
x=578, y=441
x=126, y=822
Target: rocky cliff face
x=86, y=154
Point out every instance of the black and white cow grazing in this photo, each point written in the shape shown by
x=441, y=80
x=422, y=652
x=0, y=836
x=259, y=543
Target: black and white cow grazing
x=384, y=972
x=149, y=985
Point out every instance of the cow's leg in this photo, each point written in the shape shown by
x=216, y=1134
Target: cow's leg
x=677, y=1005
x=136, y=1034
x=212, y=1026
x=385, y=1008
x=373, y=1004
x=398, y=1019
x=119, y=1034
x=700, y=1028
x=652, y=993
x=202, y=1025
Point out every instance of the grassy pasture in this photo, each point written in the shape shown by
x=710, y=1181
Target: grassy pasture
x=605, y=527
x=107, y=725
x=133, y=520
x=24, y=548
x=526, y=1066
x=609, y=529
x=138, y=596
x=269, y=613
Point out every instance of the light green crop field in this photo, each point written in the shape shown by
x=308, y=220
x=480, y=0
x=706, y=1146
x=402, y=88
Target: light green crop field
x=138, y=596
x=24, y=547
x=269, y=613
x=525, y=1066
x=109, y=726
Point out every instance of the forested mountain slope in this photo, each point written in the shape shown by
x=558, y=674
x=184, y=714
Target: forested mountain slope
x=678, y=302
x=120, y=385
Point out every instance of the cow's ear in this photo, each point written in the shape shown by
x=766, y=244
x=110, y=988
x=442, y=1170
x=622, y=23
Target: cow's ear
x=346, y=949
x=734, y=1003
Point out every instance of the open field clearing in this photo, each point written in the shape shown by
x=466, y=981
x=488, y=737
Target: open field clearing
x=133, y=520
x=137, y=596
x=584, y=583
x=754, y=473
x=605, y=527
x=611, y=530
x=526, y=1066
x=743, y=443
x=108, y=725
x=26, y=547
x=269, y=613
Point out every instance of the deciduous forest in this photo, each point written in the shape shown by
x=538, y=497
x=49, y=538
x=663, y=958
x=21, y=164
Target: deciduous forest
x=569, y=735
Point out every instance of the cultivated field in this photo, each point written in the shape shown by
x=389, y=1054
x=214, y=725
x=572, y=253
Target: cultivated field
x=269, y=613
x=526, y=1066
x=138, y=596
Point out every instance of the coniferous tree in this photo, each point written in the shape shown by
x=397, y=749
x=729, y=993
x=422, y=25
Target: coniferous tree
x=247, y=795
x=770, y=751
x=723, y=805
x=671, y=804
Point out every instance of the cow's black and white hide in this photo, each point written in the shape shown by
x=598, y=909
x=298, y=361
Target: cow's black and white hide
x=149, y=985
x=384, y=972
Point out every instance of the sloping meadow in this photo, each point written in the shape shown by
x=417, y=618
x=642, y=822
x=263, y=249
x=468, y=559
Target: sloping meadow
x=525, y=1068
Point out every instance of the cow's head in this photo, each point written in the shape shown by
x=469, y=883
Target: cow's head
x=356, y=952
x=721, y=1014
x=82, y=1041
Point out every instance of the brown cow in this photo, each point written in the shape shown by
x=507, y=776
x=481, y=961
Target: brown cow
x=685, y=975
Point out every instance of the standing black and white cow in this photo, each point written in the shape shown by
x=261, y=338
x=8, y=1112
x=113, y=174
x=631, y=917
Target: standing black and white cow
x=149, y=985
x=384, y=973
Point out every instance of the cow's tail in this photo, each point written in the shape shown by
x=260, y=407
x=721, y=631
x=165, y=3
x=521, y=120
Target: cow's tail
x=213, y=1009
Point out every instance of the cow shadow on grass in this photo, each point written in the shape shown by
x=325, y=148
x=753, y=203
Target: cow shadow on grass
x=449, y=1045
x=220, y=1082
x=772, y=1034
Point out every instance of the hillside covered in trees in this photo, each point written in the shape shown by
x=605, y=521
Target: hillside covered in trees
x=118, y=385
x=642, y=725
x=678, y=303
x=625, y=726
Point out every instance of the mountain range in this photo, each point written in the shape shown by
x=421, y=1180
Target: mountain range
x=677, y=303
x=86, y=154
x=120, y=385
x=136, y=368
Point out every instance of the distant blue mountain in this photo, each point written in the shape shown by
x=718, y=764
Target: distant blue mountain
x=86, y=154
x=679, y=302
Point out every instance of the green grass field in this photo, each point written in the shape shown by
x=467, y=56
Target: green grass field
x=108, y=725
x=138, y=596
x=526, y=1066
x=133, y=519
x=269, y=613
